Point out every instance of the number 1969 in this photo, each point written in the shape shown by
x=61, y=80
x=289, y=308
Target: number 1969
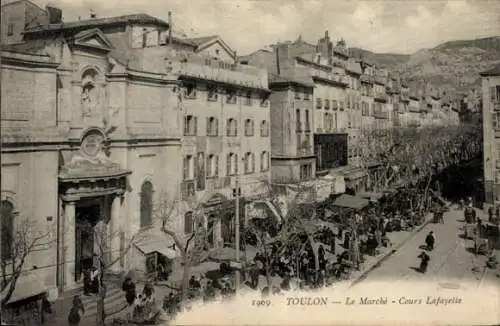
x=261, y=303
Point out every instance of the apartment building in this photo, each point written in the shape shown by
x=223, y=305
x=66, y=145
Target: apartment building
x=353, y=96
x=226, y=146
x=491, y=134
x=291, y=101
x=22, y=14
x=367, y=81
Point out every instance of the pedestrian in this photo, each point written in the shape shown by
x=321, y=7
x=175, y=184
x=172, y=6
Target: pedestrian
x=129, y=288
x=74, y=313
x=254, y=275
x=430, y=240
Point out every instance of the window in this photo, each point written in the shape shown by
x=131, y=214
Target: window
x=349, y=120
x=212, y=126
x=212, y=165
x=298, y=122
x=190, y=91
x=495, y=93
x=308, y=122
x=299, y=143
x=341, y=105
x=264, y=129
x=212, y=94
x=146, y=204
x=232, y=164
x=327, y=104
x=264, y=100
x=264, y=161
x=305, y=171
x=348, y=102
x=188, y=168
x=231, y=96
x=319, y=103
x=190, y=125
x=307, y=96
x=249, y=162
x=248, y=98
x=297, y=95
x=335, y=105
x=249, y=127
x=10, y=29
x=188, y=223
x=496, y=120
x=231, y=128
x=7, y=229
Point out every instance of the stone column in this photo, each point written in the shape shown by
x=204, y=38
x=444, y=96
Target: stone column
x=69, y=245
x=115, y=231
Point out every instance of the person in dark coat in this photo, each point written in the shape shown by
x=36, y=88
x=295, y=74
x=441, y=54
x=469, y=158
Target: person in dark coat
x=129, y=288
x=430, y=240
x=347, y=238
x=74, y=313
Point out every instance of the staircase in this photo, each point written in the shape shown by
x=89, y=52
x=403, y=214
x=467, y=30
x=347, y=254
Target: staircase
x=113, y=303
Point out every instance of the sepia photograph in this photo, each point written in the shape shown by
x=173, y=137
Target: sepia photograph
x=250, y=162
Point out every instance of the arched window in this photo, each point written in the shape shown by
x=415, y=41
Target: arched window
x=7, y=229
x=264, y=129
x=146, y=204
x=231, y=128
x=188, y=223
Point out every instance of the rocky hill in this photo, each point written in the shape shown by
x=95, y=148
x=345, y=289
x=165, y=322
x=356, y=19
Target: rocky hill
x=453, y=66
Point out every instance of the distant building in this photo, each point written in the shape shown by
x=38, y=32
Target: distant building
x=20, y=15
x=491, y=134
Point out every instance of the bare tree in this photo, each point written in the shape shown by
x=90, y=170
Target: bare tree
x=190, y=247
x=108, y=256
x=26, y=239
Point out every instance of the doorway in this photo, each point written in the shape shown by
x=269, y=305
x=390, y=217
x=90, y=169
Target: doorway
x=87, y=216
x=210, y=228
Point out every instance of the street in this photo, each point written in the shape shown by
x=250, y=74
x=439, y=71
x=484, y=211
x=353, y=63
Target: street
x=452, y=265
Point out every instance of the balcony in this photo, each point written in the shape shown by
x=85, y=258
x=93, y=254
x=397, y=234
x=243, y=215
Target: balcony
x=405, y=98
x=414, y=109
x=380, y=80
x=212, y=70
x=329, y=77
x=188, y=189
x=381, y=97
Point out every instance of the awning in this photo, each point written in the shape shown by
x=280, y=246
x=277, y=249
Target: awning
x=26, y=287
x=154, y=240
x=349, y=201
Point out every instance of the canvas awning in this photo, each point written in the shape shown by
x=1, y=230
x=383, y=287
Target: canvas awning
x=26, y=287
x=154, y=240
x=349, y=201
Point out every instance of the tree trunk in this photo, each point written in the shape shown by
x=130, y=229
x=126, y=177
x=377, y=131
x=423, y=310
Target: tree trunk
x=101, y=313
x=185, y=279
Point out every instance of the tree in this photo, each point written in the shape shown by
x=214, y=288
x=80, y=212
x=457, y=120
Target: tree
x=107, y=256
x=293, y=216
x=25, y=239
x=192, y=246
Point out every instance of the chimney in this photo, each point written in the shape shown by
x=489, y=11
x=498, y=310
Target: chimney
x=326, y=35
x=170, y=26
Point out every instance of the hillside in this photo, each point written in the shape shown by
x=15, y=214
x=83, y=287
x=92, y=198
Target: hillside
x=453, y=65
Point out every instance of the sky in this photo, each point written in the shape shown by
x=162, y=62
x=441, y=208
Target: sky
x=394, y=26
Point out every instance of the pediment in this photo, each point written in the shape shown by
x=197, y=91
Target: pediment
x=93, y=38
x=217, y=41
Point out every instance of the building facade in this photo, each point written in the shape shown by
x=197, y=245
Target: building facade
x=292, y=143
x=491, y=134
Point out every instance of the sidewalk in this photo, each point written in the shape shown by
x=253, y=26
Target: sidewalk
x=398, y=240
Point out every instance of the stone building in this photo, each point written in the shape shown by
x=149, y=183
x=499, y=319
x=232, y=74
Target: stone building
x=103, y=132
x=226, y=133
x=19, y=15
x=291, y=126
x=491, y=134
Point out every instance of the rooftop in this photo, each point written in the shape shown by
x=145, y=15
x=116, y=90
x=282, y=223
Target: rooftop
x=277, y=79
x=96, y=22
